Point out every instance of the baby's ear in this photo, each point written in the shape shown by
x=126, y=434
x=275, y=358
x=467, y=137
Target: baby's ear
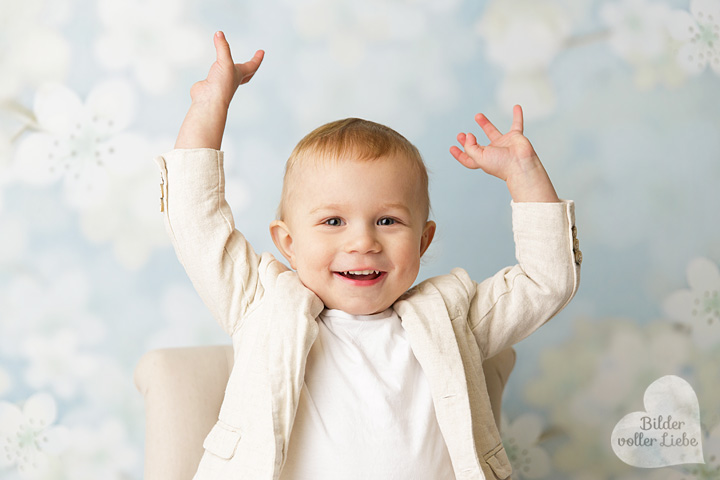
x=427, y=236
x=280, y=233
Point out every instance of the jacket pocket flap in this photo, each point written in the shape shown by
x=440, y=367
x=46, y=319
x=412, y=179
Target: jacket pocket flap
x=498, y=461
x=222, y=440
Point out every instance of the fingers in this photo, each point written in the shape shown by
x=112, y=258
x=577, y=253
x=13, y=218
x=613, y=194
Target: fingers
x=462, y=157
x=248, y=69
x=254, y=63
x=465, y=159
x=466, y=139
x=490, y=130
x=222, y=49
x=517, y=123
x=456, y=152
x=470, y=140
x=469, y=144
x=471, y=154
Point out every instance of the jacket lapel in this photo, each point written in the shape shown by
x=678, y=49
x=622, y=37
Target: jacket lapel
x=432, y=339
x=290, y=336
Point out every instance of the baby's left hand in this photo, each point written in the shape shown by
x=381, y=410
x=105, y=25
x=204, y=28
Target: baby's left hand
x=504, y=155
x=510, y=157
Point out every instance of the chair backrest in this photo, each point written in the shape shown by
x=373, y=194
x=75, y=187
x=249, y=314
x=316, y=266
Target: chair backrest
x=183, y=389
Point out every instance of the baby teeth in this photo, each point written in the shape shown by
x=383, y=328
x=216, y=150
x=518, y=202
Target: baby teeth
x=362, y=272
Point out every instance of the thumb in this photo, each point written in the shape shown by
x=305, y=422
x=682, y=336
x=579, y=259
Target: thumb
x=222, y=49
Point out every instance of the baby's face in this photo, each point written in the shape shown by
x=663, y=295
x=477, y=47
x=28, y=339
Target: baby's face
x=356, y=232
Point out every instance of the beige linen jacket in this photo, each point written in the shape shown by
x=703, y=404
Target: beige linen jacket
x=452, y=324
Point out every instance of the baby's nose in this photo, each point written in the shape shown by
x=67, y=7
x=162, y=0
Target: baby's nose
x=362, y=240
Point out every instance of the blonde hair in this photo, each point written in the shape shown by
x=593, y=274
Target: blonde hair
x=353, y=139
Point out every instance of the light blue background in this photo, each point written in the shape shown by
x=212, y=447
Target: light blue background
x=625, y=132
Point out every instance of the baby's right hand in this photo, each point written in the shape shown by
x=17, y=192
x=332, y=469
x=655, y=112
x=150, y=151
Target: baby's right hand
x=205, y=121
x=224, y=76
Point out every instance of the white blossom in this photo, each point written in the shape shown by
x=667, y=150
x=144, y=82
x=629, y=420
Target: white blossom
x=699, y=33
x=28, y=436
x=520, y=439
x=638, y=28
x=78, y=143
x=639, y=34
x=698, y=307
x=523, y=35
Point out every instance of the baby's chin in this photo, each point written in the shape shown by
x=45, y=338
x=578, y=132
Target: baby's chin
x=357, y=307
x=354, y=309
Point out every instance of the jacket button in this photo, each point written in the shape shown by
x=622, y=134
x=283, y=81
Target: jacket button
x=578, y=257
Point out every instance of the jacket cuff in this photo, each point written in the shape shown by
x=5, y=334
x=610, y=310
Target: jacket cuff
x=546, y=227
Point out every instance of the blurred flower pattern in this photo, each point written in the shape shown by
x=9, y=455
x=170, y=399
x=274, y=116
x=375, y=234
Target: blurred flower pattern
x=28, y=436
x=77, y=143
x=520, y=439
x=699, y=306
x=699, y=33
x=622, y=102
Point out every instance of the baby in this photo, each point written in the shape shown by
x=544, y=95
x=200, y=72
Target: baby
x=343, y=369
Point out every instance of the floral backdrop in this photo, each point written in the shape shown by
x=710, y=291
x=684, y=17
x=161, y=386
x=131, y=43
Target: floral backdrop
x=622, y=101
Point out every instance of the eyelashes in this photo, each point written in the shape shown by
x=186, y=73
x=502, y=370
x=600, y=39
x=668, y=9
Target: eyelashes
x=339, y=222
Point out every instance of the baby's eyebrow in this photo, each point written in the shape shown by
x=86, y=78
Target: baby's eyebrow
x=397, y=206
x=329, y=208
x=335, y=207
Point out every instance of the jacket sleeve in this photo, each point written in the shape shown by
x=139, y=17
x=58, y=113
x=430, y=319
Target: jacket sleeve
x=513, y=303
x=219, y=261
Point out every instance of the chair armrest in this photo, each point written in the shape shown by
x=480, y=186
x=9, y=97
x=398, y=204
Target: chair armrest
x=183, y=389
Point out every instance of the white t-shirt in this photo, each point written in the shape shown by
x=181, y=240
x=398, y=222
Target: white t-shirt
x=365, y=409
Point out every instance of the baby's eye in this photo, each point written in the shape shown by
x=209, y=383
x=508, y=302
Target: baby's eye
x=333, y=222
x=386, y=221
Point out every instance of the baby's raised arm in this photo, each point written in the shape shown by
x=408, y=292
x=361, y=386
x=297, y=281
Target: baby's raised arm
x=517, y=300
x=510, y=157
x=222, y=265
x=204, y=123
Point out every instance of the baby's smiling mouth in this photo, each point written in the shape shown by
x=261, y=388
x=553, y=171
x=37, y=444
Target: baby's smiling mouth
x=361, y=274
